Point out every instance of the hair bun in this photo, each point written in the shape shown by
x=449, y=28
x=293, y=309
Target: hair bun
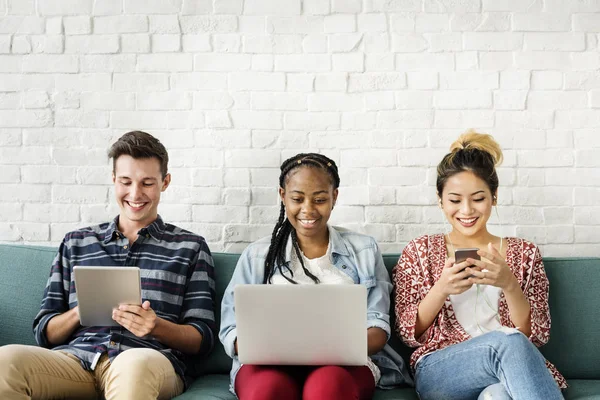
x=471, y=140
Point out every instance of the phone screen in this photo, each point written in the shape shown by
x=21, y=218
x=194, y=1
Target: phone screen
x=461, y=255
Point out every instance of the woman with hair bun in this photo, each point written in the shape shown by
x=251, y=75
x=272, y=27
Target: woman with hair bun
x=476, y=322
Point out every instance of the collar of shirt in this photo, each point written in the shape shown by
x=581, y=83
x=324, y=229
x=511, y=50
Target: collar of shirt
x=155, y=229
x=335, y=241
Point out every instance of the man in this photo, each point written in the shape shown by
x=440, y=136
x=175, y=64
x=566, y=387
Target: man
x=145, y=356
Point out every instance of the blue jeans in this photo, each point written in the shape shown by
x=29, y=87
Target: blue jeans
x=494, y=365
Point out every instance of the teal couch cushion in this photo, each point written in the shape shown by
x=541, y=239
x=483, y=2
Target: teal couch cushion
x=209, y=387
x=580, y=389
x=574, y=345
x=24, y=271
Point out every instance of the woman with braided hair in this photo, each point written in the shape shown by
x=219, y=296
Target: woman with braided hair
x=304, y=249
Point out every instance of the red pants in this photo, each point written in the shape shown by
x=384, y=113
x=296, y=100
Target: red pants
x=265, y=382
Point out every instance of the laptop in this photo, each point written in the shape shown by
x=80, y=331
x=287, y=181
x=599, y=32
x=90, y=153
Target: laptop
x=301, y=324
x=100, y=289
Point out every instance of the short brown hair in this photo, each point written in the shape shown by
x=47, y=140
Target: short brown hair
x=475, y=152
x=138, y=144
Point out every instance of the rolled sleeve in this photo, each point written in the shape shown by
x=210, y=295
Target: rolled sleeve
x=56, y=295
x=39, y=329
x=208, y=337
x=378, y=291
x=375, y=323
x=228, y=331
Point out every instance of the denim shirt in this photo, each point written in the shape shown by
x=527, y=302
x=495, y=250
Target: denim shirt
x=356, y=255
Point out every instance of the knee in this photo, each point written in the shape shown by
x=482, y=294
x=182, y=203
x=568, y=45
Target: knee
x=266, y=384
x=135, y=367
x=330, y=382
x=9, y=351
x=135, y=362
x=136, y=373
x=516, y=342
x=271, y=389
x=140, y=373
x=14, y=371
x=10, y=357
x=517, y=345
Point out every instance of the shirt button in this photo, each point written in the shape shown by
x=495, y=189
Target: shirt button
x=112, y=343
x=148, y=236
x=344, y=267
x=125, y=247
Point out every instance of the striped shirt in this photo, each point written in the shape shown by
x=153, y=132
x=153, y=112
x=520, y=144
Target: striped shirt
x=177, y=277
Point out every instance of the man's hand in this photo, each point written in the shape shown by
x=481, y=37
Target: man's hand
x=139, y=320
x=142, y=321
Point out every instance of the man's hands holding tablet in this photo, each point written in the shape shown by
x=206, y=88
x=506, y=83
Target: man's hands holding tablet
x=141, y=320
x=137, y=319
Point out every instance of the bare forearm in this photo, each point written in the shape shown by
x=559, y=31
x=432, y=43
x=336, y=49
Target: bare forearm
x=376, y=340
x=428, y=310
x=184, y=338
x=519, y=308
x=61, y=327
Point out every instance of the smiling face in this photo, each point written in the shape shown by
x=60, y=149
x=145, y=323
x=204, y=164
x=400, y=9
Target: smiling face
x=308, y=198
x=138, y=185
x=467, y=204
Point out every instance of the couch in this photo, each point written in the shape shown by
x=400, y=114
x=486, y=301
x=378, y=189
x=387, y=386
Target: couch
x=574, y=344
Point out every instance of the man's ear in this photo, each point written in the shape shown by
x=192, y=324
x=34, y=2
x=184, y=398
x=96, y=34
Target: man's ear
x=166, y=182
x=114, y=178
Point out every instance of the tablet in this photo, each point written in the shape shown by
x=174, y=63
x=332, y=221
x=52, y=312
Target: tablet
x=100, y=289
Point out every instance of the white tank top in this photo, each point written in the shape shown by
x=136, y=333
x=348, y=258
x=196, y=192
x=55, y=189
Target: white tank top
x=477, y=309
x=321, y=267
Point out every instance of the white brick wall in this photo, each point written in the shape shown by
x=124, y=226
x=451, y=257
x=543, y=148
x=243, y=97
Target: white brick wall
x=233, y=87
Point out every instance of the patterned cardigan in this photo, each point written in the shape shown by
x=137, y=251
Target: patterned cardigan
x=420, y=266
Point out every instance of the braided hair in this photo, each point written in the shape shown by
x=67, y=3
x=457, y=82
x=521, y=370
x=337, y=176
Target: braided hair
x=284, y=229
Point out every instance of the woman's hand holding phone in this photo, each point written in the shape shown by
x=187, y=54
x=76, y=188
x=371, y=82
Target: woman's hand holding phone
x=463, y=255
x=454, y=278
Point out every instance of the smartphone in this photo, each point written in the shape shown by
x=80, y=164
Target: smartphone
x=461, y=255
